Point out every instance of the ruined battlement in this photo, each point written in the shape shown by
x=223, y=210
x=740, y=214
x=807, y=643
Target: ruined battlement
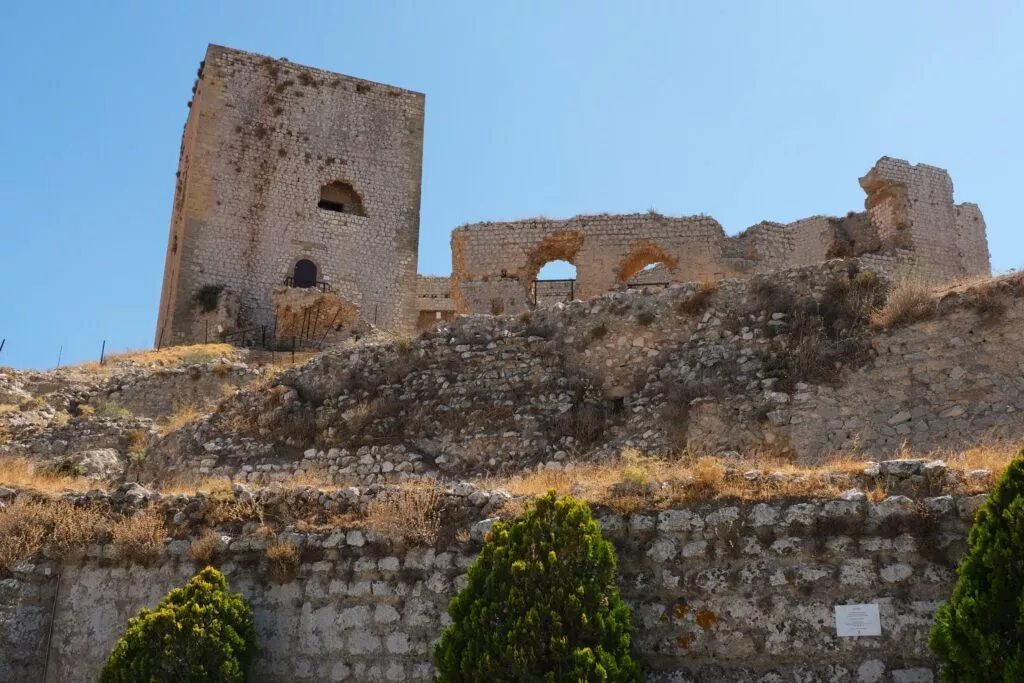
x=911, y=225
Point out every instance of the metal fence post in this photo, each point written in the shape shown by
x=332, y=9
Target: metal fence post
x=103, y=351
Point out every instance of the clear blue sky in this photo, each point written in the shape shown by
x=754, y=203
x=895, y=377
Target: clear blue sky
x=742, y=110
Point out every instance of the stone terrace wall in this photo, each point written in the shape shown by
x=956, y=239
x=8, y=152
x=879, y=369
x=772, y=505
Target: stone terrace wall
x=911, y=223
x=719, y=592
x=578, y=382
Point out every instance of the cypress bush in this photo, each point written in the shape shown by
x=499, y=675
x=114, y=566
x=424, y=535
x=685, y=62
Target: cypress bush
x=540, y=604
x=199, y=632
x=979, y=634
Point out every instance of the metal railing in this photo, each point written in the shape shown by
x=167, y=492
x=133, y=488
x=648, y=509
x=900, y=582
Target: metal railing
x=546, y=292
x=642, y=285
x=320, y=284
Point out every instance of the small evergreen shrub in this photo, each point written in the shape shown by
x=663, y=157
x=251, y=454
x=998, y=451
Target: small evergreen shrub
x=199, y=632
x=540, y=604
x=979, y=634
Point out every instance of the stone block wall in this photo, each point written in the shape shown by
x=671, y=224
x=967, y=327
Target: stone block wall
x=263, y=137
x=719, y=592
x=911, y=225
x=433, y=300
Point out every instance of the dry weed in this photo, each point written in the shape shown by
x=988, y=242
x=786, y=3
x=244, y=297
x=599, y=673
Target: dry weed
x=140, y=537
x=28, y=527
x=170, y=356
x=74, y=527
x=698, y=302
x=284, y=559
x=175, y=422
x=204, y=548
x=909, y=301
x=412, y=512
x=21, y=473
x=23, y=526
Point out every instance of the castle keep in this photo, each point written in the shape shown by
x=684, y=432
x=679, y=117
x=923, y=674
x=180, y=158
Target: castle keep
x=296, y=215
x=292, y=177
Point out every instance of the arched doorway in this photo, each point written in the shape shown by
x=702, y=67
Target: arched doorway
x=304, y=274
x=556, y=281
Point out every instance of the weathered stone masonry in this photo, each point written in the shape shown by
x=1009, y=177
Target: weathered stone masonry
x=280, y=164
x=911, y=227
x=719, y=592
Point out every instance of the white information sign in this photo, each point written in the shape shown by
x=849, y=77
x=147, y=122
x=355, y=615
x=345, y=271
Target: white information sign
x=858, y=620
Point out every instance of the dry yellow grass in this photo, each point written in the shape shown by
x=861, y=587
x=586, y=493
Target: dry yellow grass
x=204, y=548
x=283, y=557
x=691, y=479
x=9, y=408
x=909, y=301
x=22, y=530
x=412, y=512
x=27, y=527
x=181, y=418
x=21, y=473
x=140, y=537
x=170, y=356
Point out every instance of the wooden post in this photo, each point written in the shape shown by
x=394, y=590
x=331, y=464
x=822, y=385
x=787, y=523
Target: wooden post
x=103, y=351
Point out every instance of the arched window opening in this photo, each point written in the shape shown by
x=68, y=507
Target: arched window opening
x=647, y=264
x=656, y=274
x=304, y=274
x=556, y=281
x=341, y=197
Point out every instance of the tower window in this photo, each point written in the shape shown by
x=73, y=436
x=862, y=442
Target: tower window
x=341, y=197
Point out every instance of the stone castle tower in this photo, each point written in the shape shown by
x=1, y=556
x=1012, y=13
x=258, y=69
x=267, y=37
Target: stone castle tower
x=291, y=177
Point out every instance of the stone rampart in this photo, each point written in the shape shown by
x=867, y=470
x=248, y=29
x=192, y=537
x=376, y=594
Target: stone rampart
x=720, y=592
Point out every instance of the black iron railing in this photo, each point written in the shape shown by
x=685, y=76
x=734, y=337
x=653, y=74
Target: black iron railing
x=322, y=286
x=546, y=292
x=641, y=285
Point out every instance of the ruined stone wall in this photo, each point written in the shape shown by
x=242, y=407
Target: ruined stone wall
x=433, y=300
x=912, y=207
x=734, y=367
x=719, y=592
x=263, y=137
x=911, y=225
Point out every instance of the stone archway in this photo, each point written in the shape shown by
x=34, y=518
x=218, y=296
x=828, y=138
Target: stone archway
x=642, y=254
x=560, y=246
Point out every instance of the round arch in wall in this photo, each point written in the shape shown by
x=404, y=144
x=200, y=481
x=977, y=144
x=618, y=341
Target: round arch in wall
x=641, y=255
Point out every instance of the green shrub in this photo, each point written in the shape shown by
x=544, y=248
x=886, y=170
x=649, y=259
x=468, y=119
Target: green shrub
x=540, y=604
x=200, y=632
x=979, y=634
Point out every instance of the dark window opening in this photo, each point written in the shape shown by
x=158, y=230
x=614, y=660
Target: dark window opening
x=304, y=274
x=328, y=205
x=340, y=197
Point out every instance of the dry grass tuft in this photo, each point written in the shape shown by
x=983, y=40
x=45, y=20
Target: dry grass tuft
x=412, y=513
x=138, y=442
x=204, y=548
x=22, y=530
x=909, y=301
x=698, y=302
x=74, y=527
x=139, y=538
x=284, y=559
x=22, y=473
x=170, y=356
x=181, y=418
x=28, y=527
